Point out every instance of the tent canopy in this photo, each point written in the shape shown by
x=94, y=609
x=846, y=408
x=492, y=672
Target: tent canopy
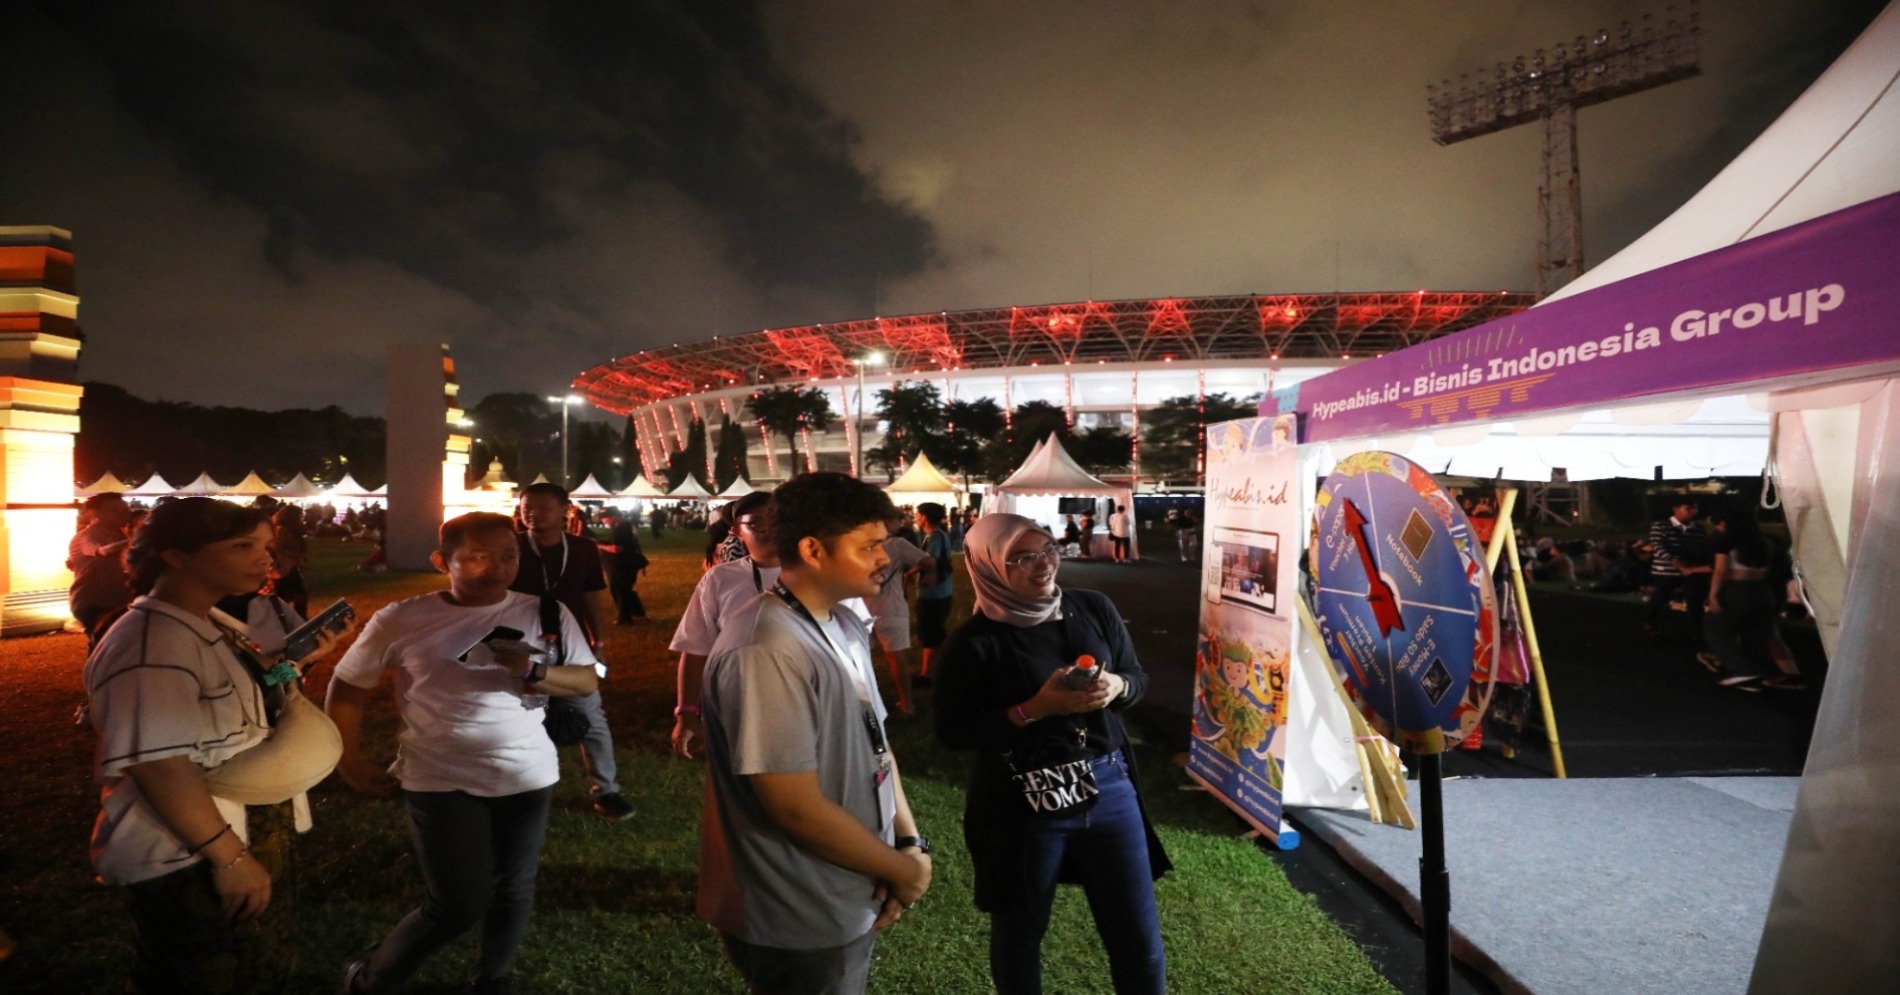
x=642, y=488
x=201, y=486
x=108, y=484
x=921, y=477
x=154, y=486
x=251, y=486
x=739, y=488
x=299, y=488
x=348, y=488
x=690, y=489
x=590, y=490
x=1050, y=470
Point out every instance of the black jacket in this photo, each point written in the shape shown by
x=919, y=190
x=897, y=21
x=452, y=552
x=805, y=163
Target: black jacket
x=981, y=672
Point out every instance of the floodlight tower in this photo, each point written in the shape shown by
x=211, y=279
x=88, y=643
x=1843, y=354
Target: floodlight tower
x=1549, y=87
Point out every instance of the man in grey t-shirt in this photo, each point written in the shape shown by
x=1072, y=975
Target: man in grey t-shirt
x=807, y=845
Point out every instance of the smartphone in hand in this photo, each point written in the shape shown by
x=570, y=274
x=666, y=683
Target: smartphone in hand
x=303, y=642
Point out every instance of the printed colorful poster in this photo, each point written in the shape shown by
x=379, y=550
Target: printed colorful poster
x=1403, y=600
x=1249, y=575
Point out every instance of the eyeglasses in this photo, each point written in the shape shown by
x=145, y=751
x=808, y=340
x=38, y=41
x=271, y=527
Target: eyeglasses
x=748, y=523
x=1026, y=561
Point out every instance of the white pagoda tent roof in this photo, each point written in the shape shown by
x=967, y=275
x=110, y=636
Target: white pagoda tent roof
x=539, y=478
x=154, y=486
x=739, y=488
x=922, y=477
x=348, y=487
x=642, y=488
x=251, y=486
x=690, y=489
x=590, y=490
x=380, y=492
x=108, y=484
x=299, y=488
x=201, y=486
x=1050, y=470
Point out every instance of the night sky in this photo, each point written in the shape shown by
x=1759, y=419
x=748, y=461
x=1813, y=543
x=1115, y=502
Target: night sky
x=263, y=194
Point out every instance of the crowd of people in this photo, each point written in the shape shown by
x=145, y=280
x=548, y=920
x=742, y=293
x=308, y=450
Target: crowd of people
x=809, y=847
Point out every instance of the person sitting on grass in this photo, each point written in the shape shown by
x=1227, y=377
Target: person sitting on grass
x=173, y=698
x=475, y=767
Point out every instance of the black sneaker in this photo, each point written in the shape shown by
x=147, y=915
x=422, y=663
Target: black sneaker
x=611, y=807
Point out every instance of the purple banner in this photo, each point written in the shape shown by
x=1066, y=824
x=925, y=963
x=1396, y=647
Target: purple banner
x=1782, y=308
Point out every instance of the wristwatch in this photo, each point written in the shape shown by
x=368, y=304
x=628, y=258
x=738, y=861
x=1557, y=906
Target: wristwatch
x=536, y=673
x=905, y=842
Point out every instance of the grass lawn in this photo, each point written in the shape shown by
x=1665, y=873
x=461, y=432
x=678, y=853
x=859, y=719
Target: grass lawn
x=615, y=903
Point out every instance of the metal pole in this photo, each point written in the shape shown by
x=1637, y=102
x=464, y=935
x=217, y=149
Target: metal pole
x=1434, y=879
x=564, y=447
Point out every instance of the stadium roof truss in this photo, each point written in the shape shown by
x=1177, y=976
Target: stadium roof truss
x=1187, y=329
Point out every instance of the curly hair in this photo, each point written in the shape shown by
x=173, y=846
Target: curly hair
x=184, y=525
x=824, y=506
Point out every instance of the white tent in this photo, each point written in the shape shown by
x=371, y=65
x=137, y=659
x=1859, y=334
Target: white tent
x=202, y=486
x=154, y=486
x=348, y=489
x=108, y=484
x=299, y=489
x=251, y=486
x=739, y=488
x=642, y=489
x=922, y=481
x=590, y=490
x=1805, y=222
x=1051, y=473
x=690, y=489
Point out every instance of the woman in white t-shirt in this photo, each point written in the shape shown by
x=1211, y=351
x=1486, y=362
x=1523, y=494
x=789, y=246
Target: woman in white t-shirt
x=171, y=698
x=474, y=766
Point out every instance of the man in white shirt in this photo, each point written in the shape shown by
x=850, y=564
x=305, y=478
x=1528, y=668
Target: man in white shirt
x=720, y=593
x=474, y=766
x=1118, y=532
x=808, y=847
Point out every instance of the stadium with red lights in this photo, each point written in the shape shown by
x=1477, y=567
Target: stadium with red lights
x=1101, y=361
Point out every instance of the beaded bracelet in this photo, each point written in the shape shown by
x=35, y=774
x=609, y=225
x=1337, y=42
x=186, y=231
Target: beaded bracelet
x=215, y=869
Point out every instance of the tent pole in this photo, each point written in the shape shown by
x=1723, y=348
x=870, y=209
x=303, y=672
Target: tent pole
x=1505, y=538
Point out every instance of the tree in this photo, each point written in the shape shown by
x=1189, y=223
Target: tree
x=969, y=426
x=630, y=451
x=1103, y=449
x=729, y=459
x=786, y=410
x=690, y=461
x=1030, y=423
x=1173, y=432
x=523, y=431
x=595, y=443
x=914, y=412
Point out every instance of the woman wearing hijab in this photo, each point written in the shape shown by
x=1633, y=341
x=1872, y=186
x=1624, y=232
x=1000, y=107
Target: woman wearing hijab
x=1003, y=692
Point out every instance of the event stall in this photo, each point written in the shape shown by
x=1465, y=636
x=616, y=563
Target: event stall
x=107, y=484
x=1050, y=474
x=590, y=490
x=689, y=489
x=739, y=488
x=922, y=481
x=1753, y=329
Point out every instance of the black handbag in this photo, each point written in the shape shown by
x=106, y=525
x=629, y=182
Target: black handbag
x=564, y=722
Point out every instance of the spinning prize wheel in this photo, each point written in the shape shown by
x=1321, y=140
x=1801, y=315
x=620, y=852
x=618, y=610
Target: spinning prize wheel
x=1405, y=602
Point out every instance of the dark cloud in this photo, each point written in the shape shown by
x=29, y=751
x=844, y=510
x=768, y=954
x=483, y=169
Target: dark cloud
x=266, y=193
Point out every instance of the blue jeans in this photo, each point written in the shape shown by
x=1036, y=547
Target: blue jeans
x=1108, y=846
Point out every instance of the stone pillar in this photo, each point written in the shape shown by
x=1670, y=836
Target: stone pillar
x=39, y=417
x=427, y=453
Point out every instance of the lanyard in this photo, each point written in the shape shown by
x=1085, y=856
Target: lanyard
x=547, y=583
x=871, y=727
